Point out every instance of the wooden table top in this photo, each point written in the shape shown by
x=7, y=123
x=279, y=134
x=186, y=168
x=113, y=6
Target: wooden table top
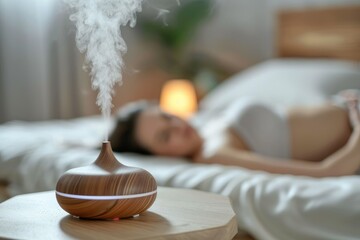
x=176, y=214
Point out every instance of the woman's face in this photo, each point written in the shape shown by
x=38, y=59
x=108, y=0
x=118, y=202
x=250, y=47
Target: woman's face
x=165, y=134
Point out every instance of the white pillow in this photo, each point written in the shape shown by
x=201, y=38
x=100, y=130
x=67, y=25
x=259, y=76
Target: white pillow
x=286, y=82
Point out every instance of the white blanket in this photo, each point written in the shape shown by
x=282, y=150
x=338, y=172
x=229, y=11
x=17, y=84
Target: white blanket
x=34, y=155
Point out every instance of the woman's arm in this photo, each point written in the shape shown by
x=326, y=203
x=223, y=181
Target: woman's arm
x=343, y=162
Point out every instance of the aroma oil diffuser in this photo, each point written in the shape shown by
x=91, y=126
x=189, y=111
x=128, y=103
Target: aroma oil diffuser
x=106, y=189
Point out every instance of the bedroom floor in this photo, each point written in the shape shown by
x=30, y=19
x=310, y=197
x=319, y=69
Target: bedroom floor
x=243, y=237
x=3, y=193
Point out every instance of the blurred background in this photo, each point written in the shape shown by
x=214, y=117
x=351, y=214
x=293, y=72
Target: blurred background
x=205, y=41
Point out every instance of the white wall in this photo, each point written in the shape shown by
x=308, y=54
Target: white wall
x=41, y=69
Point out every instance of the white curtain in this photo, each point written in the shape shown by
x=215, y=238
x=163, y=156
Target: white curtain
x=41, y=74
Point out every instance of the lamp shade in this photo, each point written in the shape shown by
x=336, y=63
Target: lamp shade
x=179, y=98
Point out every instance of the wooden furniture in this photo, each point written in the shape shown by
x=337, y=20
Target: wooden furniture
x=332, y=32
x=3, y=191
x=176, y=214
x=106, y=189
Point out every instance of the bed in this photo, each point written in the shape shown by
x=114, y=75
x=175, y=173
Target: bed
x=33, y=155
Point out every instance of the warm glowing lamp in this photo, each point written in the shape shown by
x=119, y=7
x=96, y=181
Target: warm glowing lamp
x=179, y=98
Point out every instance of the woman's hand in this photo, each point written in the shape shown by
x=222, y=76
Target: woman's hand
x=352, y=102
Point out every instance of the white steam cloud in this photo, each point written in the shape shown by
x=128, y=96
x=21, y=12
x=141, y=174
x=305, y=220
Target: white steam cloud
x=99, y=35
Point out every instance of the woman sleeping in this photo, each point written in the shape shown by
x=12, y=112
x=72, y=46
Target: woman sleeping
x=317, y=141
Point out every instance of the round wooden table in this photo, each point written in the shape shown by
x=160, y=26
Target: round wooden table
x=176, y=214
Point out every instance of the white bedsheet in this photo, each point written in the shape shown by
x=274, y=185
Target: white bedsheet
x=33, y=157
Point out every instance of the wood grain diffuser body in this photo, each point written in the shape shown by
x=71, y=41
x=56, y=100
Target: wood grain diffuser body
x=106, y=189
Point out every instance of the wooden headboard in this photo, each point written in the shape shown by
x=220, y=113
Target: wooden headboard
x=321, y=33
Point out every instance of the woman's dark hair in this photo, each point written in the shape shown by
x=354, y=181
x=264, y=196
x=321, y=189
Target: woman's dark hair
x=123, y=138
